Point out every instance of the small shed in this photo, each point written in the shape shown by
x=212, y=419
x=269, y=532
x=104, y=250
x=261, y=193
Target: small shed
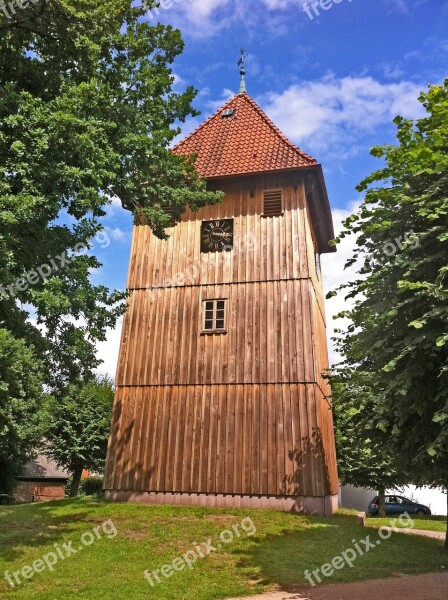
x=42, y=480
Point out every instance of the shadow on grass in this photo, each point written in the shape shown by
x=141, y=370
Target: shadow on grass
x=27, y=526
x=282, y=559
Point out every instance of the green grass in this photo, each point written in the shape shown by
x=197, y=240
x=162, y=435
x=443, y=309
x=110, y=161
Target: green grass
x=149, y=537
x=429, y=523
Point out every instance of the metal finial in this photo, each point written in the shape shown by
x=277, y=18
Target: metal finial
x=242, y=72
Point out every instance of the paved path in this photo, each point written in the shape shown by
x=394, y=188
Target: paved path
x=438, y=535
x=430, y=586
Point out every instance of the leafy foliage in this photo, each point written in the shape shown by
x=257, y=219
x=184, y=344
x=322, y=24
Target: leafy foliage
x=20, y=398
x=87, y=113
x=399, y=321
x=363, y=460
x=89, y=486
x=77, y=427
x=92, y=486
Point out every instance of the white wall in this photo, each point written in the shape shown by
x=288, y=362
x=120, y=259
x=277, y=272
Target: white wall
x=359, y=498
x=435, y=499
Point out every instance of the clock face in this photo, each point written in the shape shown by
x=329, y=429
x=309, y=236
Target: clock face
x=217, y=235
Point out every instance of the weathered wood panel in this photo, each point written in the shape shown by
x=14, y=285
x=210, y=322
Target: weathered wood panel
x=244, y=412
x=199, y=439
x=266, y=248
x=269, y=336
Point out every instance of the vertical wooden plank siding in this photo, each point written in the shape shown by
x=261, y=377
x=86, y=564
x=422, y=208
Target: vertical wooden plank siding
x=244, y=412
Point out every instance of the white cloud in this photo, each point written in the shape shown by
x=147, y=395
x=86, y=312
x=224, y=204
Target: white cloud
x=179, y=83
x=334, y=275
x=200, y=18
x=115, y=201
x=206, y=18
x=213, y=105
x=203, y=9
x=117, y=234
x=398, y=5
x=108, y=351
x=392, y=71
x=403, y=6
x=112, y=208
x=277, y=4
x=332, y=114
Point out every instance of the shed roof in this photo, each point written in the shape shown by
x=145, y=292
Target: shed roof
x=43, y=467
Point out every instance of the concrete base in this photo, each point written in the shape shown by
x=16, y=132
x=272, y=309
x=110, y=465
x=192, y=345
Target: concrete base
x=322, y=506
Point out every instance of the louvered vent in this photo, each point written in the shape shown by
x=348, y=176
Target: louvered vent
x=272, y=203
x=167, y=208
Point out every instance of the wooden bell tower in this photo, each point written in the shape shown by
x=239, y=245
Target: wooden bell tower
x=220, y=399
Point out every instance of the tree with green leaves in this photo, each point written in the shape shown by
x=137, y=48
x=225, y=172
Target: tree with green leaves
x=20, y=400
x=87, y=113
x=363, y=460
x=77, y=427
x=399, y=321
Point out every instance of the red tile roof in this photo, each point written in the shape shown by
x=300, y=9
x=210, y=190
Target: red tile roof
x=245, y=142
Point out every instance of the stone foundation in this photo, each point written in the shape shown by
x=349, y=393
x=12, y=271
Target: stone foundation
x=322, y=506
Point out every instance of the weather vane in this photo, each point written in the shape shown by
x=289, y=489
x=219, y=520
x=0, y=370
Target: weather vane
x=242, y=71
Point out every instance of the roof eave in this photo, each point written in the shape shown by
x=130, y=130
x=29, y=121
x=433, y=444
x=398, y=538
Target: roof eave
x=275, y=171
x=324, y=205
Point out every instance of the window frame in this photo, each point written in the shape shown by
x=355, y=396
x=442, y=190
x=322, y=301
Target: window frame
x=215, y=318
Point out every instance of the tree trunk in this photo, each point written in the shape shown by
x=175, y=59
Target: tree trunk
x=382, y=503
x=76, y=480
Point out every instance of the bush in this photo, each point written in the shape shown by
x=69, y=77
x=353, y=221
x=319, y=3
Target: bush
x=91, y=486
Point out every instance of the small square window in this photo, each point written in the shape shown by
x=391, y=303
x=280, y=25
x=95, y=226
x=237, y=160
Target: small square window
x=214, y=316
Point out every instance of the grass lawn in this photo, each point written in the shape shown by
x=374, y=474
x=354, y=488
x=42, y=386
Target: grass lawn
x=430, y=523
x=283, y=546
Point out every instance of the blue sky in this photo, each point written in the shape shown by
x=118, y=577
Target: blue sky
x=332, y=84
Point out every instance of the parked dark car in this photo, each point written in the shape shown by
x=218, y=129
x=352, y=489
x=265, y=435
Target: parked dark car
x=397, y=505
